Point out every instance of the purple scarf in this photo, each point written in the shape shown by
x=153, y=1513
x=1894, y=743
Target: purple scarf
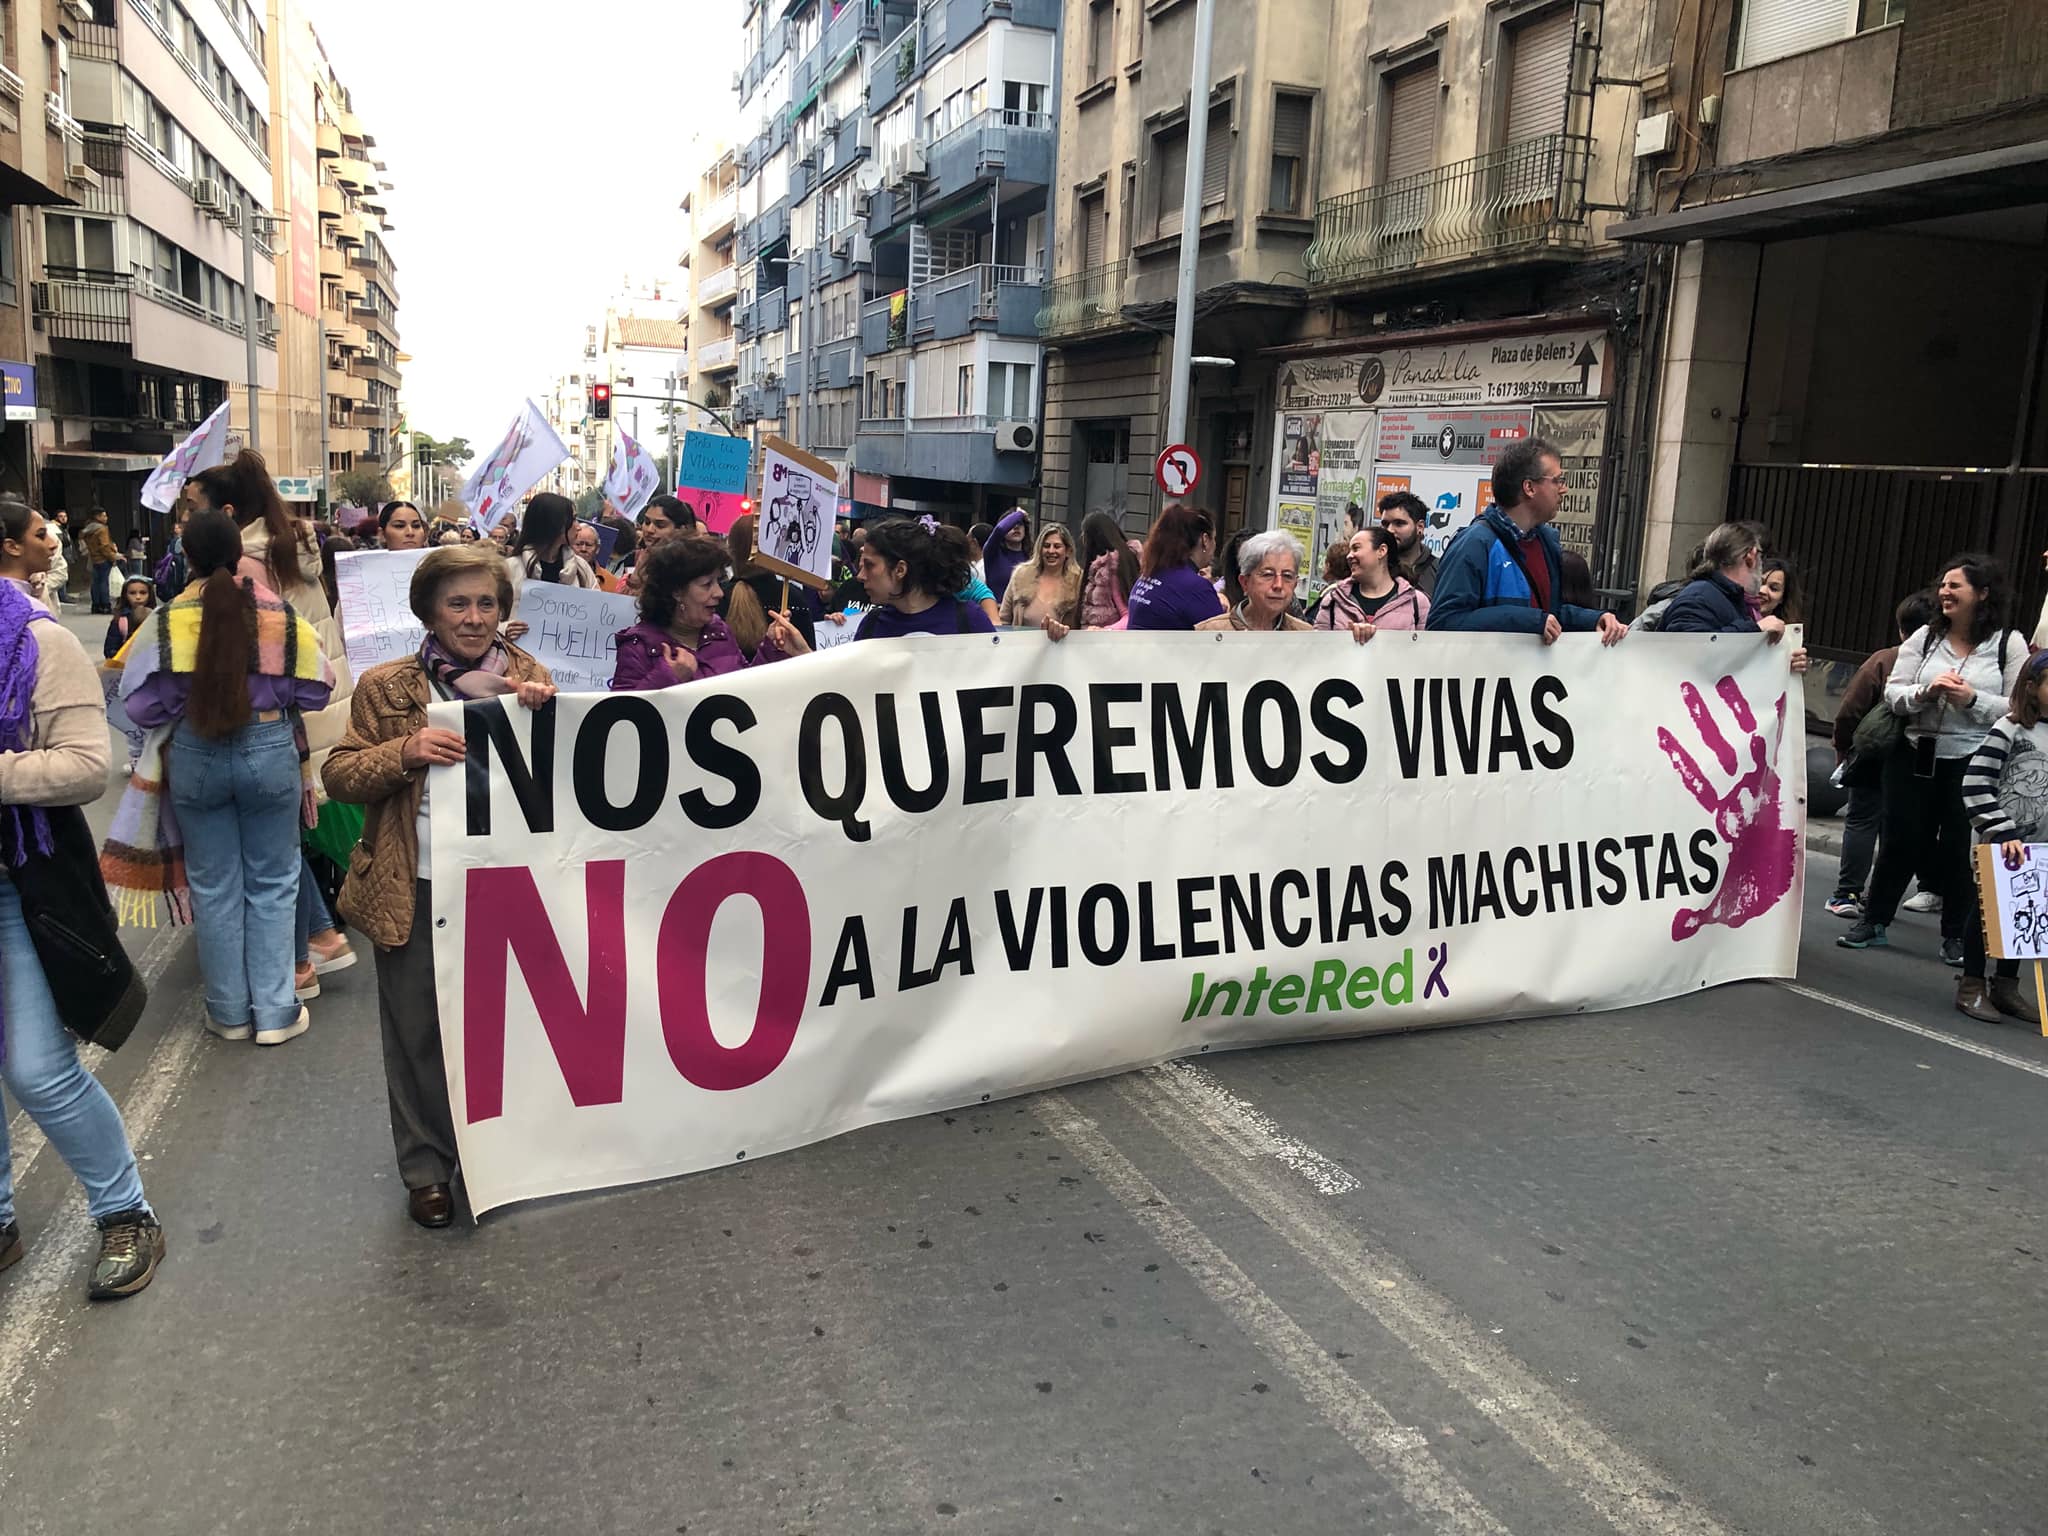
x=20, y=659
x=483, y=679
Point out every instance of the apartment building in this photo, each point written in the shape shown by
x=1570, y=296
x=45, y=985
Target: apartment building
x=1403, y=258
x=711, y=211
x=146, y=300
x=41, y=165
x=1853, y=236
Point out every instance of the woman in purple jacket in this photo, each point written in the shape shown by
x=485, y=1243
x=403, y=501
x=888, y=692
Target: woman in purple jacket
x=680, y=636
x=1173, y=593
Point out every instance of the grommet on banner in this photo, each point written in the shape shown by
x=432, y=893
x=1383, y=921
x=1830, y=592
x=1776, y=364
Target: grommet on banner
x=739, y=1156
x=440, y=922
x=984, y=1098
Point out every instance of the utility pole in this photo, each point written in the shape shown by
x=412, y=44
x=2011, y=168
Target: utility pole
x=320, y=373
x=248, y=211
x=1191, y=225
x=669, y=417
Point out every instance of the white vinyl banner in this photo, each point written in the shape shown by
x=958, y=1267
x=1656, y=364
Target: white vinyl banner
x=674, y=930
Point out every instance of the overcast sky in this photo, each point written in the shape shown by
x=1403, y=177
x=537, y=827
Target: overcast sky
x=534, y=166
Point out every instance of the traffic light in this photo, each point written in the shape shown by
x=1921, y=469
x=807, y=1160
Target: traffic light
x=746, y=505
x=601, y=402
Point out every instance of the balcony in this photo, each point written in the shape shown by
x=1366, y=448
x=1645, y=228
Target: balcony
x=717, y=287
x=332, y=263
x=370, y=366
x=328, y=141
x=82, y=304
x=855, y=22
x=977, y=298
x=346, y=385
x=845, y=143
x=1088, y=301
x=330, y=201
x=716, y=355
x=105, y=156
x=342, y=438
x=957, y=449
x=996, y=145
x=718, y=216
x=351, y=230
x=354, y=175
x=770, y=312
x=350, y=336
x=1525, y=199
x=885, y=323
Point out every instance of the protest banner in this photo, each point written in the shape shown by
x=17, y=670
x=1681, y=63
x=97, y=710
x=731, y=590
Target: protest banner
x=678, y=929
x=529, y=450
x=714, y=461
x=633, y=476
x=372, y=590
x=799, y=495
x=206, y=447
x=574, y=632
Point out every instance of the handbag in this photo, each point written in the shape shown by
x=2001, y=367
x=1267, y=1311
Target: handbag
x=76, y=936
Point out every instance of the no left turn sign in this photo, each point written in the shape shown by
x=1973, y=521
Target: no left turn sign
x=1178, y=470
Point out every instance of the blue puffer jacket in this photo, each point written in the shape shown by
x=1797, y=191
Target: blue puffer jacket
x=1712, y=605
x=1480, y=586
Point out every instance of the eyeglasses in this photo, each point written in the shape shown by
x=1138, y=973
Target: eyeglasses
x=1557, y=479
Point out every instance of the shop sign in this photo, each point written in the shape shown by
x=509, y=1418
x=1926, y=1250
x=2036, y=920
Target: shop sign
x=1581, y=433
x=20, y=384
x=1475, y=438
x=1503, y=370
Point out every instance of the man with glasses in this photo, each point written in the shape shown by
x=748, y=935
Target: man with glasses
x=1506, y=571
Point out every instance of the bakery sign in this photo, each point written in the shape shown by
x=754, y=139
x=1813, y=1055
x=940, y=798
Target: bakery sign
x=1449, y=437
x=1501, y=370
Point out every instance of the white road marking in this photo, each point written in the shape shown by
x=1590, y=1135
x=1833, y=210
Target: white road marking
x=1989, y=1053
x=1398, y=1452
x=1252, y=1131
x=1627, y=1491
x=24, y=1136
x=57, y=1256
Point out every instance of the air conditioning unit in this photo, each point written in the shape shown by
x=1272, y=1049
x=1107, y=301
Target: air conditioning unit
x=737, y=75
x=828, y=119
x=1016, y=437
x=863, y=204
x=913, y=159
x=46, y=298
x=266, y=332
x=79, y=10
x=210, y=197
x=842, y=242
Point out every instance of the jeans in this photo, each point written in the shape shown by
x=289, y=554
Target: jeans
x=313, y=916
x=1859, y=837
x=44, y=1077
x=238, y=807
x=102, y=580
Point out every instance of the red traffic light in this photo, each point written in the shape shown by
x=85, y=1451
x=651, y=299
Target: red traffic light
x=746, y=505
x=601, y=391
x=601, y=401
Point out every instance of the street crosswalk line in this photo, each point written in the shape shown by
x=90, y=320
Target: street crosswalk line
x=1989, y=1053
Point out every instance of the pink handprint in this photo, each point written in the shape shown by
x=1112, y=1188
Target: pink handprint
x=1762, y=851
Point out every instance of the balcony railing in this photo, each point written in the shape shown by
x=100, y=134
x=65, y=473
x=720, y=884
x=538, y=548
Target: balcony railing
x=1087, y=301
x=719, y=214
x=983, y=282
x=952, y=423
x=882, y=426
x=718, y=285
x=722, y=353
x=1524, y=196
x=82, y=304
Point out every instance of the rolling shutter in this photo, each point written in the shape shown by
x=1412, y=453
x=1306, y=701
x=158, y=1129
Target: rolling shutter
x=1094, y=232
x=1290, y=126
x=1216, y=161
x=1773, y=29
x=1411, y=121
x=1539, y=69
x=1171, y=173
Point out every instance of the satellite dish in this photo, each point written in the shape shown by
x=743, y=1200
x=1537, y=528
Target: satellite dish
x=869, y=177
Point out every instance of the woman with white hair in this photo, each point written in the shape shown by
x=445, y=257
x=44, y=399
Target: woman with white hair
x=1269, y=566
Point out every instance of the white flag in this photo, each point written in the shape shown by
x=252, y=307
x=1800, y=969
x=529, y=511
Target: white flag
x=529, y=451
x=205, y=448
x=633, y=477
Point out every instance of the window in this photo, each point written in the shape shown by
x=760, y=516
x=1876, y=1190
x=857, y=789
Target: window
x=1539, y=70
x=1408, y=144
x=1023, y=104
x=1775, y=29
x=1216, y=161
x=1009, y=390
x=1127, y=207
x=1094, y=219
x=78, y=245
x=8, y=292
x=1169, y=178
x=964, y=404
x=1287, y=187
x=1101, y=40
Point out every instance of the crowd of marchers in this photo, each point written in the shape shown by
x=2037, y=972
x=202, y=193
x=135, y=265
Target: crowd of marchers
x=273, y=799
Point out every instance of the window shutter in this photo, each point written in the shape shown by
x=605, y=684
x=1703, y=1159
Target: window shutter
x=1094, y=233
x=1539, y=69
x=1290, y=126
x=1216, y=160
x=1411, y=121
x=1172, y=150
x=1772, y=29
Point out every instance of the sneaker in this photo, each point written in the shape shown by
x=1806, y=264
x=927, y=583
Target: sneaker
x=1850, y=907
x=131, y=1247
x=11, y=1246
x=331, y=956
x=284, y=1032
x=306, y=982
x=1922, y=901
x=1952, y=953
x=1864, y=935
x=228, y=1031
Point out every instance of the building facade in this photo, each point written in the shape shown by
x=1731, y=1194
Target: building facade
x=711, y=211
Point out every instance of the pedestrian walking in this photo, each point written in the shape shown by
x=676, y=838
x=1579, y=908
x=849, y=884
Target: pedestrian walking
x=1951, y=683
x=400, y=526
x=1375, y=595
x=2005, y=792
x=680, y=636
x=541, y=551
x=1862, y=774
x=137, y=603
x=1268, y=569
x=55, y=922
x=222, y=677
x=1171, y=592
x=1506, y=571
x=1406, y=517
x=911, y=569
x=1110, y=560
x=461, y=594
x=97, y=540
x=1048, y=585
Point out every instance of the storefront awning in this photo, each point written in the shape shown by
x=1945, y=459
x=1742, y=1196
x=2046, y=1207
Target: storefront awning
x=1993, y=178
x=21, y=190
x=106, y=463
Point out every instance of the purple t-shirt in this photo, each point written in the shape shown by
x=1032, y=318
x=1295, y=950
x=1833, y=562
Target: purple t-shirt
x=948, y=616
x=1177, y=599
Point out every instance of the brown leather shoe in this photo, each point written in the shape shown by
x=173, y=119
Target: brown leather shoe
x=435, y=1207
x=2015, y=1001
x=1973, y=1000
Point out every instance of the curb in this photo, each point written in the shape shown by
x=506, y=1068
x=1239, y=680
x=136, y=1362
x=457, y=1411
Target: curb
x=1826, y=838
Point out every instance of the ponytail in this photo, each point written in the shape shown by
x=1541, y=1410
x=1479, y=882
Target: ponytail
x=218, y=705
x=745, y=616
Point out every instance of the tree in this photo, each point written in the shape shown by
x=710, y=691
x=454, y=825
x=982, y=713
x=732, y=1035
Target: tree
x=589, y=504
x=455, y=451
x=362, y=487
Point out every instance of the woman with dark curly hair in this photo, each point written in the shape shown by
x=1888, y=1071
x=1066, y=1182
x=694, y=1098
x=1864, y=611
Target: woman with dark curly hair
x=680, y=636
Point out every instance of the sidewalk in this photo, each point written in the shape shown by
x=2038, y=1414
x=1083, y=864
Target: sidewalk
x=1824, y=835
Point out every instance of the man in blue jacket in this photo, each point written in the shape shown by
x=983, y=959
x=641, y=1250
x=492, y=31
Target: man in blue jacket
x=1505, y=572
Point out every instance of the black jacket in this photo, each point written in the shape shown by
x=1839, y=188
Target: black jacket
x=1712, y=605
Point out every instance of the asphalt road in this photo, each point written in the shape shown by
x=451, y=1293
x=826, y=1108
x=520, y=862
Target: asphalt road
x=1758, y=1260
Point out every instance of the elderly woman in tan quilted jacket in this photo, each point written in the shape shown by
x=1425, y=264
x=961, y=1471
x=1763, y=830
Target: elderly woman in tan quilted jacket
x=462, y=594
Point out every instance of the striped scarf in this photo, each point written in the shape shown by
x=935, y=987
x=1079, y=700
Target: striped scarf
x=144, y=857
